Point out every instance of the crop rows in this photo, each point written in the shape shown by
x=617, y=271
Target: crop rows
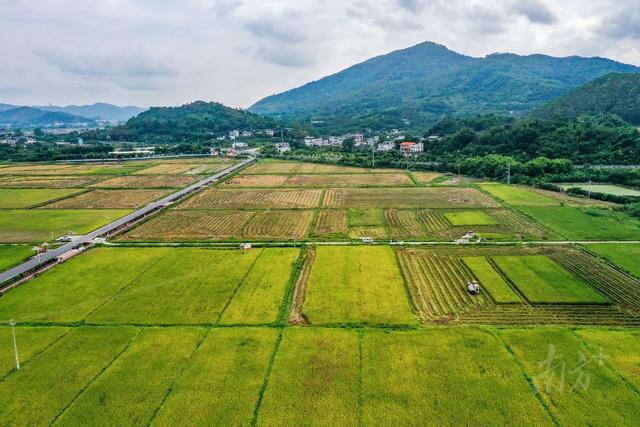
x=572, y=314
x=517, y=223
x=214, y=198
x=615, y=285
x=106, y=199
x=404, y=222
x=438, y=284
x=331, y=221
x=334, y=198
x=44, y=181
x=157, y=181
x=278, y=224
x=434, y=221
x=167, y=168
x=256, y=181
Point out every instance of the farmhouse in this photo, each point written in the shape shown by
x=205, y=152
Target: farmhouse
x=233, y=134
x=282, y=147
x=409, y=147
x=386, y=146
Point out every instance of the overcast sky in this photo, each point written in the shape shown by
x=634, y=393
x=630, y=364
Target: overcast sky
x=164, y=52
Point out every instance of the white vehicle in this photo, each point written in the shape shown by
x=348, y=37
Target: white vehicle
x=473, y=287
x=366, y=240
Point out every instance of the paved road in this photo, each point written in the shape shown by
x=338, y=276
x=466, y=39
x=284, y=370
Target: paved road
x=151, y=207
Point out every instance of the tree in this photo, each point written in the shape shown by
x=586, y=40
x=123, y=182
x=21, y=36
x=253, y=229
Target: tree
x=348, y=144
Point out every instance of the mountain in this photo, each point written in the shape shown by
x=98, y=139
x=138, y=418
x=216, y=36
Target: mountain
x=32, y=117
x=612, y=93
x=423, y=83
x=5, y=107
x=197, y=120
x=98, y=111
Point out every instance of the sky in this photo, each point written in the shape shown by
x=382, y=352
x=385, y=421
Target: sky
x=169, y=52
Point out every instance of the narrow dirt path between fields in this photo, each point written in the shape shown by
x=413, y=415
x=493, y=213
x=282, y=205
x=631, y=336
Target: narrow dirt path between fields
x=296, y=314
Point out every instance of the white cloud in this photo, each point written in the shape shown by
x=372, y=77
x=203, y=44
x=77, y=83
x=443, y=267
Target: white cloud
x=159, y=52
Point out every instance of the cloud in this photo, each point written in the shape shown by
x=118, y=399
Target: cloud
x=279, y=30
x=622, y=24
x=414, y=6
x=534, y=11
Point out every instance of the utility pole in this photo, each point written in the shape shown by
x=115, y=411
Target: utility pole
x=508, y=173
x=589, y=190
x=373, y=156
x=15, y=344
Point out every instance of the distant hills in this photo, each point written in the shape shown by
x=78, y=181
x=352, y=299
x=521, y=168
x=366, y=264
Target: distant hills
x=25, y=117
x=421, y=84
x=613, y=93
x=79, y=113
x=192, y=121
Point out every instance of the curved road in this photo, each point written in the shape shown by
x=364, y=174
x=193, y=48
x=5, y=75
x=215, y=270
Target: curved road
x=87, y=238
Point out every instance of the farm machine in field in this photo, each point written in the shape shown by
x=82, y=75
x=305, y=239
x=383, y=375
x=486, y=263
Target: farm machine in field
x=473, y=287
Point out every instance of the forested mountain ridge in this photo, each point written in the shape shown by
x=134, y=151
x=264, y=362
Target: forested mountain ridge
x=613, y=94
x=423, y=83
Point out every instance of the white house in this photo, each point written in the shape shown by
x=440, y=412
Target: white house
x=246, y=133
x=269, y=132
x=409, y=147
x=233, y=134
x=239, y=145
x=282, y=147
x=386, y=146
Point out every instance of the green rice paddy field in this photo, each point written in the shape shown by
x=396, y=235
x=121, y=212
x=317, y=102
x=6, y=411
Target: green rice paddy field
x=323, y=334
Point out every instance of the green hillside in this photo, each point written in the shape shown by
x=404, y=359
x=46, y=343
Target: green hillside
x=421, y=84
x=613, y=93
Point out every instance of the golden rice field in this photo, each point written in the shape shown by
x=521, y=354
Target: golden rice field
x=109, y=199
x=167, y=168
x=45, y=181
x=322, y=180
x=421, y=197
x=155, y=181
x=247, y=199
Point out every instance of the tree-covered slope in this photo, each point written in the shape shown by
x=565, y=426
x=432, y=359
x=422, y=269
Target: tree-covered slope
x=195, y=121
x=613, y=94
x=424, y=82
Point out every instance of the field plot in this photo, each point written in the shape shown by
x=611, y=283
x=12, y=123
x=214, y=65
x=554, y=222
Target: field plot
x=315, y=379
x=356, y=285
x=518, y=195
x=541, y=280
x=43, y=298
x=465, y=218
x=38, y=225
x=135, y=384
x=72, y=169
x=621, y=349
x=22, y=198
x=32, y=342
x=14, y=181
x=207, y=169
x=156, y=181
x=256, y=181
x=273, y=224
x=438, y=284
x=616, y=190
x=405, y=222
x=330, y=221
x=624, y=256
x=426, y=177
x=586, y=224
x=221, y=385
x=436, y=377
x=109, y=199
x=576, y=387
x=322, y=180
x=247, y=199
x=11, y=255
x=39, y=393
x=260, y=295
x=491, y=280
x=187, y=286
x=167, y=169
x=278, y=167
x=421, y=197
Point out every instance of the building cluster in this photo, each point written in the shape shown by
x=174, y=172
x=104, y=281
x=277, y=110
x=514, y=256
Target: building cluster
x=334, y=141
x=394, y=141
x=235, y=134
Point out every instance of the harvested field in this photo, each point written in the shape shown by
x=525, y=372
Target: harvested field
x=256, y=181
x=438, y=284
x=44, y=181
x=421, y=197
x=350, y=180
x=330, y=221
x=404, y=223
x=618, y=287
x=268, y=167
x=519, y=224
x=72, y=169
x=425, y=177
x=109, y=199
x=207, y=169
x=25, y=198
x=167, y=169
x=374, y=231
x=360, y=284
x=541, y=280
x=247, y=199
x=139, y=182
x=434, y=220
x=190, y=226
x=278, y=225
x=296, y=311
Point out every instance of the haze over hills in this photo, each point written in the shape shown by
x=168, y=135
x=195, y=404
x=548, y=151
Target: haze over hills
x=96, y=111
x=32, y=117
x=422, y=83
x=613, y=93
